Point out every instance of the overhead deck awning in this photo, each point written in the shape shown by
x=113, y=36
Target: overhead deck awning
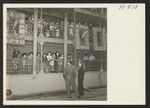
x=91, y=13
x=82, y=15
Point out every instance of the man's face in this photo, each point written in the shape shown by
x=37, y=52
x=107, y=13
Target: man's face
x=31, y=55
x=38, y=55
x=80, y=64
x=68, y=63
x=24, y=56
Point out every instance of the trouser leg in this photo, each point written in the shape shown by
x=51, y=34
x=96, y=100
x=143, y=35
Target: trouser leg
x=75, y=88
x=80, y=86
x=68, y=88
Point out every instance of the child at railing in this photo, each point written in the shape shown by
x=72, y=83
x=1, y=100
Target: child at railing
x=30, y=62
x=49, y=59
x=38, y=60
x=60, y=63
x=45, y=63
x=16, y=54
x=23, y=63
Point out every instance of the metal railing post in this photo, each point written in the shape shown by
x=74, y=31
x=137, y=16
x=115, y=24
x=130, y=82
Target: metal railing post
x=35, y=41
x=65, y=40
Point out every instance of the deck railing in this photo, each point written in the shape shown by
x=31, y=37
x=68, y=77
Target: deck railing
x=18, y=69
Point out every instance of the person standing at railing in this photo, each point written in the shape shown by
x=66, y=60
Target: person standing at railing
x=51, y=28
x=16, y=54
x=61, y=27
x=52, y=62
x=71, y=31
x=49, y=59
x=38, y=62
x=69, y=57
x=16, y=26
x=30, y=25
x=22, y=63
x=40, y=25
x=91, y=57
x=45, y=63
x=57, y=31
x=46, y=28
x=30, y=62
x=57, y=56
x=86, y=58
x=60, y=63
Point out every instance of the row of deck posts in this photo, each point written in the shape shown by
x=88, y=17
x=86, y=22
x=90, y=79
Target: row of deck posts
x=65, y=41
x=35, y=41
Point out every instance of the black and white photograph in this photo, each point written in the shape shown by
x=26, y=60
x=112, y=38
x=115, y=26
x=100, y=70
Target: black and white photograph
x=56, y=54
x=73, y=54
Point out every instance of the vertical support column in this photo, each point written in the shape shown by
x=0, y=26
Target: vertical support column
x=35, y=41
x=22, y=25
x=41, y=66
x=65, y=39
x=74, y=39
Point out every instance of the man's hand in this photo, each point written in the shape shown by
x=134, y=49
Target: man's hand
x=64, y=75
x=75, y=72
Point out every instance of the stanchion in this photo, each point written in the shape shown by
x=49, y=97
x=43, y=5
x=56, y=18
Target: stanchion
x=101, y=70
x=35, y=41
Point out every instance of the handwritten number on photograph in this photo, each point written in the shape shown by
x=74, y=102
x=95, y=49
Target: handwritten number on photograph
x=127, y=7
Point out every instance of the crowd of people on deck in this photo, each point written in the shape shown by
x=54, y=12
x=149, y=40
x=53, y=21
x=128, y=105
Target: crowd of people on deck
x=22, y=61
x=51, y=62
x=53, y=28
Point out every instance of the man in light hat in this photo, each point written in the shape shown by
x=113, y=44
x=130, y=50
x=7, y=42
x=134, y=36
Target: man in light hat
x=69, y=76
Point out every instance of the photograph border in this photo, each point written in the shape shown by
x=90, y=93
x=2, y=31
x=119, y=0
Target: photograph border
x=90, y=1
x=45, y=102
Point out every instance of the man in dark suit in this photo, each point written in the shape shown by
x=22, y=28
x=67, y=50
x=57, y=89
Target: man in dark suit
x=69, y=76
x=81, y=73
